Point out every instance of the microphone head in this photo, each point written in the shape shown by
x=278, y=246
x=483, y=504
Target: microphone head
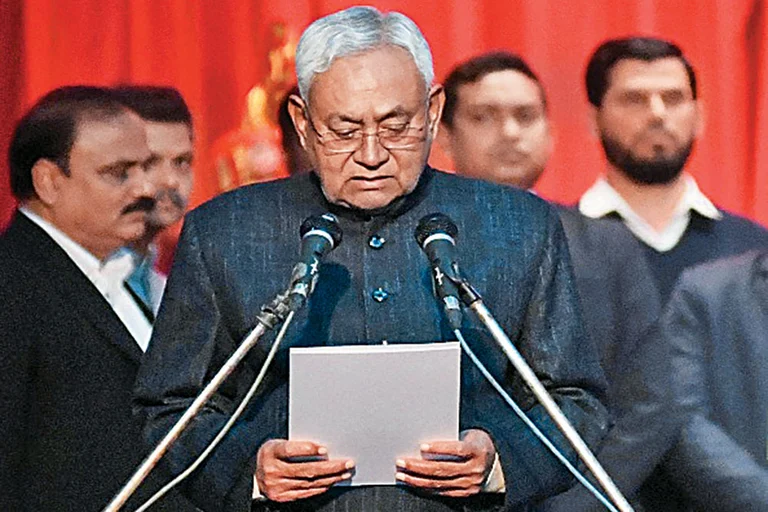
x=327, y=223
x=434, y=224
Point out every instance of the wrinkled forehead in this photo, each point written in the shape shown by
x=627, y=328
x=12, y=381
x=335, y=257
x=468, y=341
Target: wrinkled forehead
x=368, y=84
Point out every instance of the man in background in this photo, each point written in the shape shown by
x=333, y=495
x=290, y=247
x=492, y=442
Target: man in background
x=714, y=328
x=645, y=108
x=646, y=112
x=72, y=334
x=168, y=125
x=496, y=127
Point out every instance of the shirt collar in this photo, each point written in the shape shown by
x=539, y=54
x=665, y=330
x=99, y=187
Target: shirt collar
x=142, y=263
x=602, y=199
x=105, y=275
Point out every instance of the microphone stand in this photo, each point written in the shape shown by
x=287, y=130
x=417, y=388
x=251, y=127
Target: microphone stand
x=471, y=298
x=271, y=315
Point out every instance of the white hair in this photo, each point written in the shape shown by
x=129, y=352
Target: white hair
x=356, y=30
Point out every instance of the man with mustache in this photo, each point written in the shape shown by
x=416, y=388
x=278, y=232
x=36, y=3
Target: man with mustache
x=646, y=112
x=496, y=127
x=168, y=124
x=72, y=334
x=645, y=109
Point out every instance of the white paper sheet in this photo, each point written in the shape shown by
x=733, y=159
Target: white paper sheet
x=374, y=403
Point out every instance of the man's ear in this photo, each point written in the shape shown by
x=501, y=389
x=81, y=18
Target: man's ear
x=435, y=108
x=297, y=111
x=46, y=180
x=594, y=122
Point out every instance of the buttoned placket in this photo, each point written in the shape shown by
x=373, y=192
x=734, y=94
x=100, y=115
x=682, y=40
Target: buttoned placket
x=377, y=260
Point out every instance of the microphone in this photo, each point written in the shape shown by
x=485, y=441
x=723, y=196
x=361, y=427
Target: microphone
x=436, y=234
x=320, y=234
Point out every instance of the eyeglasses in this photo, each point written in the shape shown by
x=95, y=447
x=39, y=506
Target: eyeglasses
x=391, y=137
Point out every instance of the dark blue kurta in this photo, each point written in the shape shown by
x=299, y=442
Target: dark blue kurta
x=236, y=252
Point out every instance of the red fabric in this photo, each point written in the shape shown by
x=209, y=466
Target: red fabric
x=214, y=52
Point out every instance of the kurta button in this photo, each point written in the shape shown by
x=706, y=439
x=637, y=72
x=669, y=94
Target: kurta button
x=380, y=295
x=376, y=242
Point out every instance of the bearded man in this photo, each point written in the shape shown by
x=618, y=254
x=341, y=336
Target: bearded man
x=646, y=111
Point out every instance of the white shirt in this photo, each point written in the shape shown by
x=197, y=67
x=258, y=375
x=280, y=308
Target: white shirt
x=108, y=277
x=602, y=199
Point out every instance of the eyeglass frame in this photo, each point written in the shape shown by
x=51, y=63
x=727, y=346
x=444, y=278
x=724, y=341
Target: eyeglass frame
x=362, y=135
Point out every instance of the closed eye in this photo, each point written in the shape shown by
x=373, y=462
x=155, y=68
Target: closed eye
x=346, y=134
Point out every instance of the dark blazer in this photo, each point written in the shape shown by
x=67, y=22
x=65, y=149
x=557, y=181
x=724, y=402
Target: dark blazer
x=621, y=304
x=716, y=329
x=619, y=298
x=236, y=252
x=67, y=437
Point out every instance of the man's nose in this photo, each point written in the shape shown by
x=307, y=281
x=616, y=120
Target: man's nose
x=371, y=153
x=167, y=177
x=658, y=108
x=510, y=127
x=144, y=185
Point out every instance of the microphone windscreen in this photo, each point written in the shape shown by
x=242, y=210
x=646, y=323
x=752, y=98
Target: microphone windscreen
x=326, y=222
x=433, y=224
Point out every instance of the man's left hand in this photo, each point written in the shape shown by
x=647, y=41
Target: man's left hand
x=451, y=468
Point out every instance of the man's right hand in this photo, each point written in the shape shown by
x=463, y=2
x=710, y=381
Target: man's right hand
x=292, y=470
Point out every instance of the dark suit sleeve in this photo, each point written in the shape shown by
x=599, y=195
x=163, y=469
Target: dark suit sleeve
x=646, y=426
x=188, y=346
x=15, y=377
x=553, y=342
x=716, y=472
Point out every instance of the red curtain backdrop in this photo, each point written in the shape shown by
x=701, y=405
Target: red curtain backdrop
x=214, y=52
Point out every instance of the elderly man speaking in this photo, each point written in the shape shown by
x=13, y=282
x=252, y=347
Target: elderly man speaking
x=367, y=114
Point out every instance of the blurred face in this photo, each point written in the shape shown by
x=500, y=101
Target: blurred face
x=500, y=130
x=104, y=202
x=368, y=127
x=170, y=168
x=648, y=120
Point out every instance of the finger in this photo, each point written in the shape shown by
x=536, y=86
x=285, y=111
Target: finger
x=296, y=449
x=320, y=482
x=273, y=487
x=297, y=494
x=449, y=484
x=315, y=470
x=439, y=469
x=452, y=448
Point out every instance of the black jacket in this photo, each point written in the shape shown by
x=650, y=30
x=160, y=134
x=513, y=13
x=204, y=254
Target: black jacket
x=237, y=251
x=716, y=329
x=67, y=437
